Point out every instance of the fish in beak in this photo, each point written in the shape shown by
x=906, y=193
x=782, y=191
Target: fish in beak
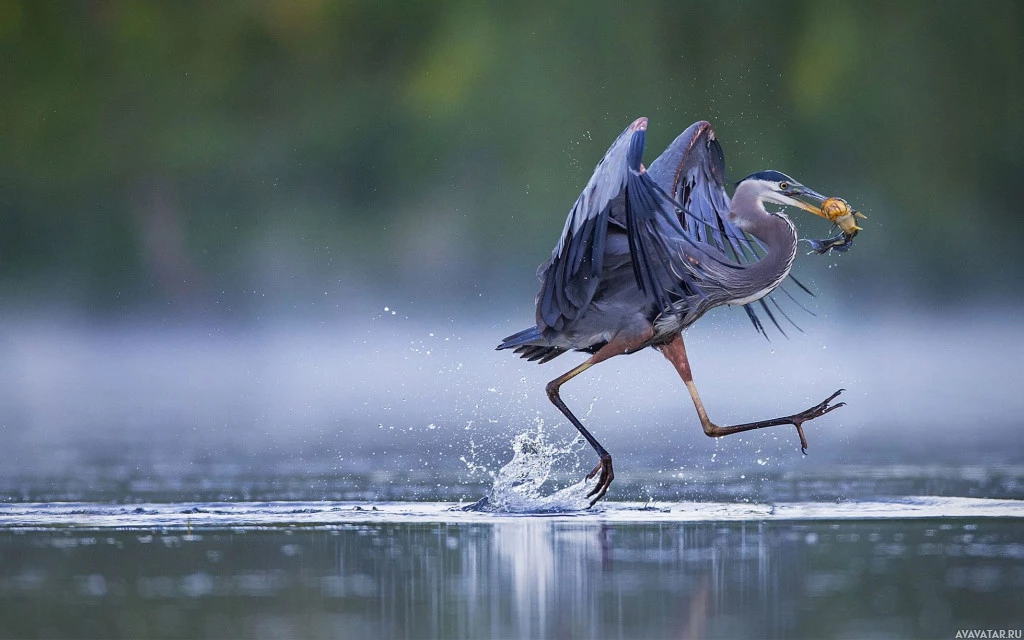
x=835, y=210
x=840, y=213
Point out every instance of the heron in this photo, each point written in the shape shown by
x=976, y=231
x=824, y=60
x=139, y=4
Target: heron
x=646, y=252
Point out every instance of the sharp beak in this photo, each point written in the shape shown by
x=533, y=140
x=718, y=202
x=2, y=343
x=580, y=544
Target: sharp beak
x=806, y=199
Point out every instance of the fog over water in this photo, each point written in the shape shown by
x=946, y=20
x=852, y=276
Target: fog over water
x=396, y=392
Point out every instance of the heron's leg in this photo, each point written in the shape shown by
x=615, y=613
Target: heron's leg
x=675, y=352
x=616, y=346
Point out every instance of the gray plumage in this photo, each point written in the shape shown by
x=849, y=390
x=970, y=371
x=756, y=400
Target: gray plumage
x=658, y=247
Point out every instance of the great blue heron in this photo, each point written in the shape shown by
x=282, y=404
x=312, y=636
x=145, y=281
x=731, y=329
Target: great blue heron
x=646, y=252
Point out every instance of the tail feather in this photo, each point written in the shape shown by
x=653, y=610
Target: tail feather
x=539, y=353
x=553, y=352
x=523, y=337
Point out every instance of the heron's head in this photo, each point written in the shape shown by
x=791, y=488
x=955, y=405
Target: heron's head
x=777, y=187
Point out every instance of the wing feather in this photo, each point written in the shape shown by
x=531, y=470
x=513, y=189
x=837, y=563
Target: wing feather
x=692, y=171
x=621, y=193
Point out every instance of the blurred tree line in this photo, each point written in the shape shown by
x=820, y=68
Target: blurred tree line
x=246, y=155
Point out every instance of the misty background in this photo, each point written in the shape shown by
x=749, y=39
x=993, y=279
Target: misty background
x=283, y=238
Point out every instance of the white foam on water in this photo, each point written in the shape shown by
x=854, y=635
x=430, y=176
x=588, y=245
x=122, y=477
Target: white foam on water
x=241, y=516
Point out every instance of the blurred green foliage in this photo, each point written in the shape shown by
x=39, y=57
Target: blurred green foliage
x=216, y=153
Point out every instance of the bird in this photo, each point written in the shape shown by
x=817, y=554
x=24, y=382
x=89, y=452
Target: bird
x=646, y=252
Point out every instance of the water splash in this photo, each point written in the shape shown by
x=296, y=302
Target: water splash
x=519, y=486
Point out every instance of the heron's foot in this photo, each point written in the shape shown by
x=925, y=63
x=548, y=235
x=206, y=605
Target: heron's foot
x=603, y=481
x=816, y=411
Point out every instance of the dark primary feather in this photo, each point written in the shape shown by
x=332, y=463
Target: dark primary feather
x=570, y=277
x=618, y=193
x=692, y=171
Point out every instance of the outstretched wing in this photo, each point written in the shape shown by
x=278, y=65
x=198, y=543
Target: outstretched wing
x=692, y=171
x=622, y=194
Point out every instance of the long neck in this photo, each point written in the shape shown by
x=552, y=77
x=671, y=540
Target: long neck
x=776, y=233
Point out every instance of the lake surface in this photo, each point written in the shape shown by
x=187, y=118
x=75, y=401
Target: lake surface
x=915, y=567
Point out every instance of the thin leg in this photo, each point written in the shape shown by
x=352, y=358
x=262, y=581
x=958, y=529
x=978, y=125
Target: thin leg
x=675, y=352
x=613, y=348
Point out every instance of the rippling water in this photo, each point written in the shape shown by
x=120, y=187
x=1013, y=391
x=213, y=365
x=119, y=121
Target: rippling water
x=920, y=567
x=230, y=550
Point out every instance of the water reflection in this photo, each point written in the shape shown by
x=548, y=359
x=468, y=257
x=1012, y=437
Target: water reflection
x=521, y=577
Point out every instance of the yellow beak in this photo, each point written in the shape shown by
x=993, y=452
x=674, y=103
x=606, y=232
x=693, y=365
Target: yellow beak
x=835, y=210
